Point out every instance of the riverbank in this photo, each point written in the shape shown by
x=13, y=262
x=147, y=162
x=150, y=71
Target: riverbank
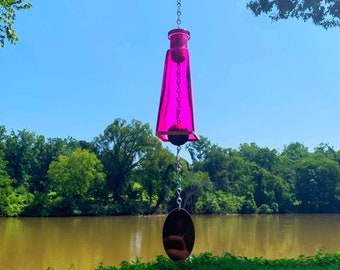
x=229, y=262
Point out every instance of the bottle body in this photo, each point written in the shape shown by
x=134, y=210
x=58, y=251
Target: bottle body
x=175, y=121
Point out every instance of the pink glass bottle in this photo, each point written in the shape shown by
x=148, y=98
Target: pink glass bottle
x=175, y=122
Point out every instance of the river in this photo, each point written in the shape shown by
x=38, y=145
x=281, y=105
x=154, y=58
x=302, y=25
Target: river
x=85, y=242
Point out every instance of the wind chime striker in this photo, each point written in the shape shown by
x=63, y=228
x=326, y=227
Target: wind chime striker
x=175, y=122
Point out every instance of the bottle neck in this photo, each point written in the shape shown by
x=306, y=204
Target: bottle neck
x=179, y=38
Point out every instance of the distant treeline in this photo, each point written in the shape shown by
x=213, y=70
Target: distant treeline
x=126, y=170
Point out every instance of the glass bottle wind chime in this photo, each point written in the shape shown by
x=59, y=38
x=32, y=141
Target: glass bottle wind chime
x=175, y=124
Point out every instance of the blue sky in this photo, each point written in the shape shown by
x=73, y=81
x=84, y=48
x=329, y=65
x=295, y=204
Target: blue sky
x=81, y=64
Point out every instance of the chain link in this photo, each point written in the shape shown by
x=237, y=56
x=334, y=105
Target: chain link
x=179, y=13
x=179, y=181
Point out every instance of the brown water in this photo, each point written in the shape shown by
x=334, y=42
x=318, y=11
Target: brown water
x=37, y=243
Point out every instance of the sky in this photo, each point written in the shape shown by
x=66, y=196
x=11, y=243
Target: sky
x=79, y=65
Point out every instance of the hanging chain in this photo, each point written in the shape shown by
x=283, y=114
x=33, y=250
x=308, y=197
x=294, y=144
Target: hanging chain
x=178, y=82
x=178, y=115
x=179, y=13
x=178, y=72
x=179, y=181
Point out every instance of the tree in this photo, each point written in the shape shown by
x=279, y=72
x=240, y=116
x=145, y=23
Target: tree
x=239, y=175
x=6, y=190
x=2, y=141
x=195, y=185
x=8, y=9
x=318, y=184
x=198, y=150
x=156, y=177
x=76, y=178
x=121, y=148
x=44, y=152
x=328, y=151
x=264, y=157
x=12, y=201
x=295, y=152
x=249, y=204
x=288, y=159
x=20, y=156
x=325, y=13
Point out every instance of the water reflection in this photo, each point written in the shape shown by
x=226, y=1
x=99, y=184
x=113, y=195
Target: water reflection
x=37, y=243
x=271, y=236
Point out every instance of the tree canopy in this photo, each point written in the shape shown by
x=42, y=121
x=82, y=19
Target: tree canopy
x=8, y=9
x=127, y=170
x=76, y=178
x=325, y=13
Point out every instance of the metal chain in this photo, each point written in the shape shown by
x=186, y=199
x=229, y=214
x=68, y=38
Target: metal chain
x=179, y=13
x=179, y=181
x=178, y=82
x=178, y=114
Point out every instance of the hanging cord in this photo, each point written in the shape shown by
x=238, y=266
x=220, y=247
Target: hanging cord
x=179, y=13
x=179, y=181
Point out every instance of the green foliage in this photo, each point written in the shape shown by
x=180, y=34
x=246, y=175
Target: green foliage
x=76, y=178
x=12, y=200
x=156, y=178
x=323, y=13
x=195, y=185
x=198, y=151
x=126, y=170
x=263, y=157
x=219, y=202
x=2, y=141
x=229, y=262
x=249, y=204
x=239, y=173
x=216, y=166
x=8, y=9
x=19, y=155
x=122, y=148
x=229, y=202
x=295, y=152
x=318, y=184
